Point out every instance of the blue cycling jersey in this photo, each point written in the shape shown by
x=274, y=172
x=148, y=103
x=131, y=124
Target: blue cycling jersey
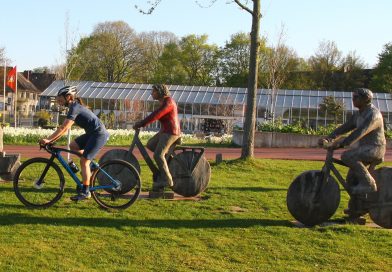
x=86, y=119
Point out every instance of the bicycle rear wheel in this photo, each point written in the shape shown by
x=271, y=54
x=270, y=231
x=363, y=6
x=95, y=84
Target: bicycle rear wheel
x=129, y=184
x=39, y=183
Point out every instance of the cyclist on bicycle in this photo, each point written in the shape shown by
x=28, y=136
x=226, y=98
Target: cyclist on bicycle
x=87, y=145
x=367, y=141
x=168, y=134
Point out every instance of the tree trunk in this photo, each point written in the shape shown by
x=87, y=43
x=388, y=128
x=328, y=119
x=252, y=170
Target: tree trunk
x=250, y=113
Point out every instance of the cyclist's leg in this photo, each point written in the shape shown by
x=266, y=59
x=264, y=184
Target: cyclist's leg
x=153, y=142
x=77, y=145
x=355, y=158
x=165, y=142
x=91, y=148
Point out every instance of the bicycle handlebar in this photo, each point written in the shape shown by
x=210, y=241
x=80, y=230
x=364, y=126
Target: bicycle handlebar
x=52, y=149
x=48, y=147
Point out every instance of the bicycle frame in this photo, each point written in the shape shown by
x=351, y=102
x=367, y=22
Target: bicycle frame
x=329, y=166
x=154, y=169
x=56, y=153
x=136, y=142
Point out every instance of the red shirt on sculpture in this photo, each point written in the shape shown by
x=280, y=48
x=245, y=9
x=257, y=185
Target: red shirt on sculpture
x=167, y=115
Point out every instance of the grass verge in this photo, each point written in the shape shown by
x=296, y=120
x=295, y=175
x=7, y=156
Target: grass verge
x=241, y=223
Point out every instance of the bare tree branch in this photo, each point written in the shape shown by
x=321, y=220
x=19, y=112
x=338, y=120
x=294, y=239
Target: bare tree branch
x=243, y=6
x=153, y=6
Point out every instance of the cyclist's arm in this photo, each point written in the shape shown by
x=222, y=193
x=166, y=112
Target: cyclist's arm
x=166, y=107
x=346, y=127
x=61, y=130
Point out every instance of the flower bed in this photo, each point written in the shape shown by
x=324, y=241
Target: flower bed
x=120, y=137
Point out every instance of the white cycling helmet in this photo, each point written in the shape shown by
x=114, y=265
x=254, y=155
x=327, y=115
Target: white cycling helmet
x=67, y=90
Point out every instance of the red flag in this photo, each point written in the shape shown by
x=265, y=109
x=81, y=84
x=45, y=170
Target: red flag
x=11, y=79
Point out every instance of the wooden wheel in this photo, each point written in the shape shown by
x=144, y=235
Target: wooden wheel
x=191, y=173
x=381, y=209
x=311, y=201
x=120, y=154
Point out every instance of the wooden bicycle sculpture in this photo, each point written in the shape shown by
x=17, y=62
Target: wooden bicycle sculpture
x=188, y=166
x=314, y=196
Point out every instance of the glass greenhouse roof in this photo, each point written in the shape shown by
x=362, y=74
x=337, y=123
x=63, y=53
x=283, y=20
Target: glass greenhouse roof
x=213, y=95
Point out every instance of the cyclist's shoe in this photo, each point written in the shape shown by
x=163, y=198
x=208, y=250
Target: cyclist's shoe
x=81, y=196
x=38, y=184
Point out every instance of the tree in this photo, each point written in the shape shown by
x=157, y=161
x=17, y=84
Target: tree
x=382, y=76
x=353, y=76
x=153, y=46
x=332, y=107
x=250, y=113
x=324, y=63
x=169, y=68
x=66, y=66
x=3, y=57
x=199, y=59
x=276, y=64
x=235, y=61
x=299, y=75
x=111, y=53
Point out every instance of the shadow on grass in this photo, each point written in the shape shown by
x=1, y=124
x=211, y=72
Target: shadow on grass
x=17, y=219
x=7, y=189
x=255, y=189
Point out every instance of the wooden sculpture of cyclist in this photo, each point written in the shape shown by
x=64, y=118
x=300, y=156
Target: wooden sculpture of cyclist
x=367, y=145
x=169, y=133
x=89, y=144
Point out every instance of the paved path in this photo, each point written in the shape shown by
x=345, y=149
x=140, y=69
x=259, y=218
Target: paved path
x=227, y=153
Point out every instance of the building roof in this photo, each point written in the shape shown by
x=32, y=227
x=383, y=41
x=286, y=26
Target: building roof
x=214, y=95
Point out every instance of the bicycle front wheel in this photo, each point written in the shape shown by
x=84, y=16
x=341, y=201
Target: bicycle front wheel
x=39, y=183
x=312, y=201
x=127, y=188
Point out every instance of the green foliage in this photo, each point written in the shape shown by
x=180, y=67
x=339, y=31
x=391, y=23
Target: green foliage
x=43, y=117
x=199, y=59
x=297, y=127
x=234, y=61
x=169, y=68
x=323, y=63
x=109, y=54
x=114, y=52
x=332, y=107
x=382, y=75
x=300, y=127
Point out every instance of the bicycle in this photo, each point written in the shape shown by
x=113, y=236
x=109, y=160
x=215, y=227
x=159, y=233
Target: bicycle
x=39, y=182
x=314, y=196
x=190, y=169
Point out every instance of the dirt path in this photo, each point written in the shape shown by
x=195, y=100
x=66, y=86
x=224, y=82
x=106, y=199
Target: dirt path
x=210, y=152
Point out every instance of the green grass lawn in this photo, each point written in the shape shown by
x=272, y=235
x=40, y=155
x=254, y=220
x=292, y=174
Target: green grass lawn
x=240, y=224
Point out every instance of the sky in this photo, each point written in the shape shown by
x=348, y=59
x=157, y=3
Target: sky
x=33, y=32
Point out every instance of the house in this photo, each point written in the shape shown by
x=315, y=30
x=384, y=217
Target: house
x=27, y=100
x=41, y=80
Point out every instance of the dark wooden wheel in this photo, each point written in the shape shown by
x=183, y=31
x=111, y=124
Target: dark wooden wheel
x=381, y=209
x=191, y=173
x=120, y=154
x=311, y=201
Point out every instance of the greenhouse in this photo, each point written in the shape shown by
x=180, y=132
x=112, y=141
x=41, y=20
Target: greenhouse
x=208, y=109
